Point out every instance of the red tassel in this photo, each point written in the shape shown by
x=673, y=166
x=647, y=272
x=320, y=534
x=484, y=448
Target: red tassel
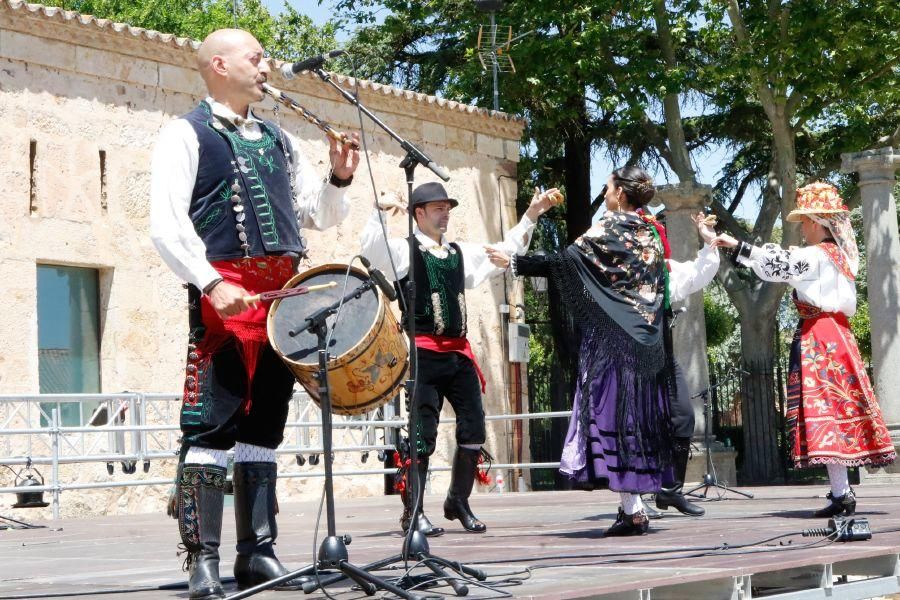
x=482, y=477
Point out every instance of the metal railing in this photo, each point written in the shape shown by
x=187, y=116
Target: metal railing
x=131, y=428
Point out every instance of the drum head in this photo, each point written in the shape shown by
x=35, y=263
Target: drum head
x=356, y=317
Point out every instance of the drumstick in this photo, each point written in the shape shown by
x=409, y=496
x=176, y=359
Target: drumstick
x=274, y=295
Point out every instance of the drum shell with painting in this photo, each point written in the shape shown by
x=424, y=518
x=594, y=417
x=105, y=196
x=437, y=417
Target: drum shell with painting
x=369, y=351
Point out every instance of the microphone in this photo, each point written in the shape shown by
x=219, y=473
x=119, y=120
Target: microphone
x=290, y=70
x=675, y=314
x=380, y=280
x=439, y=170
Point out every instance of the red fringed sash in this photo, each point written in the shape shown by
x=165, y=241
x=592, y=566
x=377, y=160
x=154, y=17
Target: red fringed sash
x=256, y=275
x=440, y=343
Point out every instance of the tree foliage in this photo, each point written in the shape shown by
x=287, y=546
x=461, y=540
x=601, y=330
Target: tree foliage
x=719, y=321
x=783, y=86
x=286, y=35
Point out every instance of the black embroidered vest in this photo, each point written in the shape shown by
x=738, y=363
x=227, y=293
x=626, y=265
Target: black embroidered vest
x=257, y=172
x=440, y=292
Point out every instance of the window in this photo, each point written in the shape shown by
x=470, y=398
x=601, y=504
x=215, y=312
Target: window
x=68, y=337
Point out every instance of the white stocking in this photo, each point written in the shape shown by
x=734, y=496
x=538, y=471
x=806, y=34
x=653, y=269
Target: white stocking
x=206, y=456
x=631, y=503
x=840, y=484
x=244, y=453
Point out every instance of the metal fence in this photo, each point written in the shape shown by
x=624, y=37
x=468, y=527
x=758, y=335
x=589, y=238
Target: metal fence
x=133, y=429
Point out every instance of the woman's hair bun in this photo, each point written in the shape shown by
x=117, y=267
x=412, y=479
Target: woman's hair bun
x=637, y=185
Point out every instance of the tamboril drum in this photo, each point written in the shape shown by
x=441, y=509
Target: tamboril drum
x=368, y=349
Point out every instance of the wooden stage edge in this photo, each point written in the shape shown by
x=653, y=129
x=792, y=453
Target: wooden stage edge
x=538, y=545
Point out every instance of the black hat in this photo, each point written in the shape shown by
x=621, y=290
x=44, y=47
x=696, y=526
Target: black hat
x=431, y=192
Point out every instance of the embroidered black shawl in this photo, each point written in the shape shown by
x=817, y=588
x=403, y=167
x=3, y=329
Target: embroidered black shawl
x=613, y=281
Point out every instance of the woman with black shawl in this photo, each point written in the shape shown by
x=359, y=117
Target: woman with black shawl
x=613, y=279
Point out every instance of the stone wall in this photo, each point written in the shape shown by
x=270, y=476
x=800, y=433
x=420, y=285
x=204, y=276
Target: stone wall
x=73, y=87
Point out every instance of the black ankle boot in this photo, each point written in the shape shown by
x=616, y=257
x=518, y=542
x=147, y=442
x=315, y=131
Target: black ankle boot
x=424, y=526
x=845, y=505
x=456, y=506
x=636, y=524
x=672, y=495
x=254, y=515
x=200, y=496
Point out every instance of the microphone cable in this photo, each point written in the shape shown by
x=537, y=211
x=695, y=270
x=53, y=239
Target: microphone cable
x=411, y=394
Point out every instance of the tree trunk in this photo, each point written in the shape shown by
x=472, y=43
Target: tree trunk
x=577, y=174
x=759, y=406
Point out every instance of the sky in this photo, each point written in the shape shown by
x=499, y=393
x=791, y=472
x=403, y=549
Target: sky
x=707, y=165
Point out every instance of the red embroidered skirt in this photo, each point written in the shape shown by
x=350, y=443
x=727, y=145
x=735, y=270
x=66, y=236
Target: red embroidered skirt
x=833, y=415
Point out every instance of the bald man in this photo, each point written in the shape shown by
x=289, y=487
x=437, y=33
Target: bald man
x=229, y=195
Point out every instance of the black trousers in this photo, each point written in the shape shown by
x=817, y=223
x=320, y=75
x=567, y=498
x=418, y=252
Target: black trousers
x=452, y=376
x=680, y=407
x=212, y=415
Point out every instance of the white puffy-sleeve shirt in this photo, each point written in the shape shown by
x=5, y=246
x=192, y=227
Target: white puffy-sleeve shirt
x=477, y=265
x=317, y=204
x=810, y=271
x=691, y=276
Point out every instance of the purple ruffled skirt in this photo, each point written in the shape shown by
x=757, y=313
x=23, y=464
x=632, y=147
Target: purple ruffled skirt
x=591, y=453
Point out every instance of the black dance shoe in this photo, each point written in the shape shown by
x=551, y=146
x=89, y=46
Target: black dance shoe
x=842, y=505
x=636, y=524
x=674, y=497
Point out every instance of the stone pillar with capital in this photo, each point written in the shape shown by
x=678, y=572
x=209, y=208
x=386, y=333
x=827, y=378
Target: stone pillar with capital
x=876, y=169
x=682, y=201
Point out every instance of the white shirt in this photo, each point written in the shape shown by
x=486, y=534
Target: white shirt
x=317, y=204
x=810, y=271
x=691, y=276
x=477, y=265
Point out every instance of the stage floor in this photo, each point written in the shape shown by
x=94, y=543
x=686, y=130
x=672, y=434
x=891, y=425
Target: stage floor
x=538, y=545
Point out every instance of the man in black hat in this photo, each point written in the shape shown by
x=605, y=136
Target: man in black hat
x=446, y=364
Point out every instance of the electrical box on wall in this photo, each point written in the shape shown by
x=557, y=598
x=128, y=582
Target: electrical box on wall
x=518, y=334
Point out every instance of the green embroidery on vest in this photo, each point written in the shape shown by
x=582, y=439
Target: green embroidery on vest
x=215, y=213
x=252, y=155
x=439, y=271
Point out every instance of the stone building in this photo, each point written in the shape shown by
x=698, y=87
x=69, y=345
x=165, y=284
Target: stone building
x=81, y=102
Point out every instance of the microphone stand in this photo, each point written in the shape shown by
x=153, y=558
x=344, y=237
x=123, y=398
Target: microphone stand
x=333, y=550
x=709, y=478
x=415, y=545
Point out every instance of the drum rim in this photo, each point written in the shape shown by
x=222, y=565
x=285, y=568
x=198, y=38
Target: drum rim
x=334, y=361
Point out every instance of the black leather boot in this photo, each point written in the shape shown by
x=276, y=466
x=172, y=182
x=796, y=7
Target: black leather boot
x=254, y=515
x=845, y=505
x=200, y=496
x=672, y=495
x=636, y=524
x=424, y=526
x=456, y=506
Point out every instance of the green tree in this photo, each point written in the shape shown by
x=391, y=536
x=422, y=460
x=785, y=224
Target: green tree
x=287, y=35
x=784, y=86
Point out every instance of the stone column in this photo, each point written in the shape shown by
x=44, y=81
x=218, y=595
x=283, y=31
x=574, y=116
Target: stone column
x=689, y=335
x=876, y=170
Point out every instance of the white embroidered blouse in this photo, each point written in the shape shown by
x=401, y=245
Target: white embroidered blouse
x=810, y=271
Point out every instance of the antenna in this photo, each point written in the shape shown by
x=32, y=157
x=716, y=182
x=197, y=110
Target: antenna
x=493, y=45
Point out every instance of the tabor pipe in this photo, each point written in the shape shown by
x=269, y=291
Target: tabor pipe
x=300, y=110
